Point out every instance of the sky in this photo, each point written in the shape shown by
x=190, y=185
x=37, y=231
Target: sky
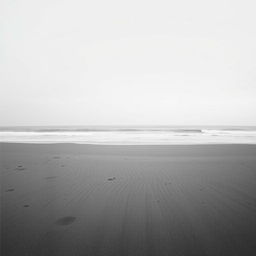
x=137, y=62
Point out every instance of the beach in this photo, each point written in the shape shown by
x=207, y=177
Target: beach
x=184, y=200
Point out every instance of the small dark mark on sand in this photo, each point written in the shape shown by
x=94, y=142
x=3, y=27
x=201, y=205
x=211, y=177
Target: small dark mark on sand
x=50, y=177
x=56, y=157
x=26, y=205
x=10, y=190
x=196, y=254
x=113, y=178
x=63, y=165
x=20, y=168
x=65, y=221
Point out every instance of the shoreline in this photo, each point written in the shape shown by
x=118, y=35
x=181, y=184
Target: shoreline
x=161, y=149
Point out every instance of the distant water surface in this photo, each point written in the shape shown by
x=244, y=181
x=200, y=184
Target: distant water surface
x=130, y=135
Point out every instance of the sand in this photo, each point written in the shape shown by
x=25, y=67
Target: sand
x=67, y=199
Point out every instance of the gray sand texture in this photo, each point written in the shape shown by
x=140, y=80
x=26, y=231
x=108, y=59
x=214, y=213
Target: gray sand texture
x=67, y=199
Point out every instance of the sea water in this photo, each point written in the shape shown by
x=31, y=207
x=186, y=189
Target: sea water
x=130, y=135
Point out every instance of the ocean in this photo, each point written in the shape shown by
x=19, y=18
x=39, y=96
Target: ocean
x=130, y=135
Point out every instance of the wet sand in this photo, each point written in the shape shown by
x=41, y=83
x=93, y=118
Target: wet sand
x=67, y=199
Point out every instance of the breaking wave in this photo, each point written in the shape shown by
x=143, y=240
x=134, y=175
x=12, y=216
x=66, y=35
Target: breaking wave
x=130, y=135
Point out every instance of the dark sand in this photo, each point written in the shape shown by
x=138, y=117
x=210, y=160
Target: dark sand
x=67, y=199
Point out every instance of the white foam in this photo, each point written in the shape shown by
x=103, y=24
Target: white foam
x=138, y=137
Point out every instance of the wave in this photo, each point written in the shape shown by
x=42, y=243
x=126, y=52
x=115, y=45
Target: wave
x=96, y=129
x=175, y=129
x=117, y=135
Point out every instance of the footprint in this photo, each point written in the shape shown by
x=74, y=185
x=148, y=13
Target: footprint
x=65, y=221
x=20, y=168
x=26, y=205
x=10, y=190
x=50, y=177
x=113, y=178
x=196, y=254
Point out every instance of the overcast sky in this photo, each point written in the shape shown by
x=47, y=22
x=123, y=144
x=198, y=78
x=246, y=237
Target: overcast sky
x=133, y=62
